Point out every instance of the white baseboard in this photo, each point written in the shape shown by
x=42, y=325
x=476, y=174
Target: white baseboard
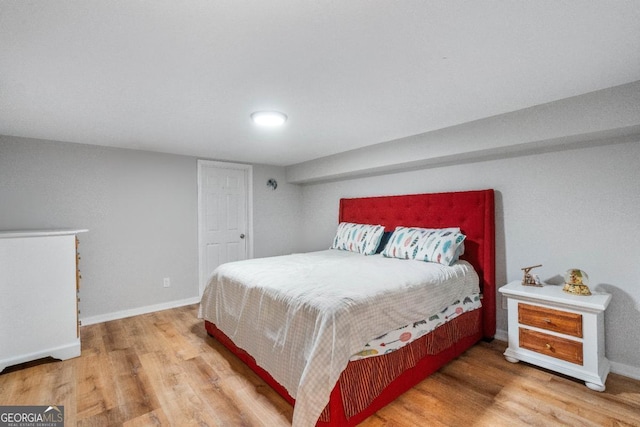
x=501, y=335
x=616, y=367
x=625, y=370
x=85, y=321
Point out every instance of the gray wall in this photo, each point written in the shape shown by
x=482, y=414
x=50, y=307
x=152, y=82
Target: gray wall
x=276, y=214
x=141, y=210
x=575, y=208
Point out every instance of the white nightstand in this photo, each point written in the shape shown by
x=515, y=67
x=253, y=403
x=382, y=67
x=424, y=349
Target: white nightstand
x=558, y=331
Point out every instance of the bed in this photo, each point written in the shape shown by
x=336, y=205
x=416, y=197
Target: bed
x=360, y=387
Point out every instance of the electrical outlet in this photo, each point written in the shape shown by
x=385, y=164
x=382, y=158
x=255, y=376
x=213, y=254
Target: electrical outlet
x=166, y=282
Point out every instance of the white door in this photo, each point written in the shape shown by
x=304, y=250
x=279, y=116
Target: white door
x=224, y=219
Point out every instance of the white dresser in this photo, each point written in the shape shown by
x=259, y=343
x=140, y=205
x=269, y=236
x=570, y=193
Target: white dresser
x=39, y=282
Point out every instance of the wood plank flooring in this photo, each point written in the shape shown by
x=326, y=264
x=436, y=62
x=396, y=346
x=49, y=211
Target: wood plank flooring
x=161, y=369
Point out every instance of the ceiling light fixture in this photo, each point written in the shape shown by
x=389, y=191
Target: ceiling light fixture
x=268, y=118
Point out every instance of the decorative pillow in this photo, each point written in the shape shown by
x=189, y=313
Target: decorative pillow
x=441, y=247
x=426, y=244
x=383, y=241
x=412, y=233
x=362, y=238
x=404, y=242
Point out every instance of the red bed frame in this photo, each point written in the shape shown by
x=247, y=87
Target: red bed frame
x=473, y=212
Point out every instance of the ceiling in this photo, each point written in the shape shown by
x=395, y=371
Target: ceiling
x=183, y=76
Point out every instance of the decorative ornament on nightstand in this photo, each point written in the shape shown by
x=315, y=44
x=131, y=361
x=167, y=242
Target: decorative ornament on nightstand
x=576, y=281
x=530, y=279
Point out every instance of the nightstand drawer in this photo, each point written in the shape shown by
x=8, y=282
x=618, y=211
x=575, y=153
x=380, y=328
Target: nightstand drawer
x=552, y=320
x=552, y=346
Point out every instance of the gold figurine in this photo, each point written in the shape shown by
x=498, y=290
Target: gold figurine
x=530, y=279
x=575, y=282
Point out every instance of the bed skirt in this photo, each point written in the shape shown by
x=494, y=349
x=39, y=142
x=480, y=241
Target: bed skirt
x=367, y=385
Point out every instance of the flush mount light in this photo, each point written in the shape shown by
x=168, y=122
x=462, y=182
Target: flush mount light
x=268, y=118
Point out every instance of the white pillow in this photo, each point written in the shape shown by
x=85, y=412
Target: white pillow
x=443, y=245
x=362, y=238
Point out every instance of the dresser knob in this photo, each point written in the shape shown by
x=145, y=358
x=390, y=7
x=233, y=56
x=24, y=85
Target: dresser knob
x=547, y=320
x=548, y=346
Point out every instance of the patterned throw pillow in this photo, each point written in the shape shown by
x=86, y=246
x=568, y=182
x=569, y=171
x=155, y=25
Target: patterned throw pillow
x=443, y=246
x=362, y=238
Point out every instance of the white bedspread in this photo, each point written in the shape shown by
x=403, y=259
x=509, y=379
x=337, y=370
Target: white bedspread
x=302, y=316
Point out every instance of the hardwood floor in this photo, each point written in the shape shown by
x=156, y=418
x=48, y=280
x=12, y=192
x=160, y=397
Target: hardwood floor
x=162, y=369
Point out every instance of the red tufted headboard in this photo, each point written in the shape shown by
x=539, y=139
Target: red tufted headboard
x=472, y=211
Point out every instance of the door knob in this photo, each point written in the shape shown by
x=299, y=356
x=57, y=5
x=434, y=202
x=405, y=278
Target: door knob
x=242, y=236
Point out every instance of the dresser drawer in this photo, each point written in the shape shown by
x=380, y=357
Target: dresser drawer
x=552, y=320
x=549, y=345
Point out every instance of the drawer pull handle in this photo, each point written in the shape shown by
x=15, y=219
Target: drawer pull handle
x=547, y=320
x=549, y=346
